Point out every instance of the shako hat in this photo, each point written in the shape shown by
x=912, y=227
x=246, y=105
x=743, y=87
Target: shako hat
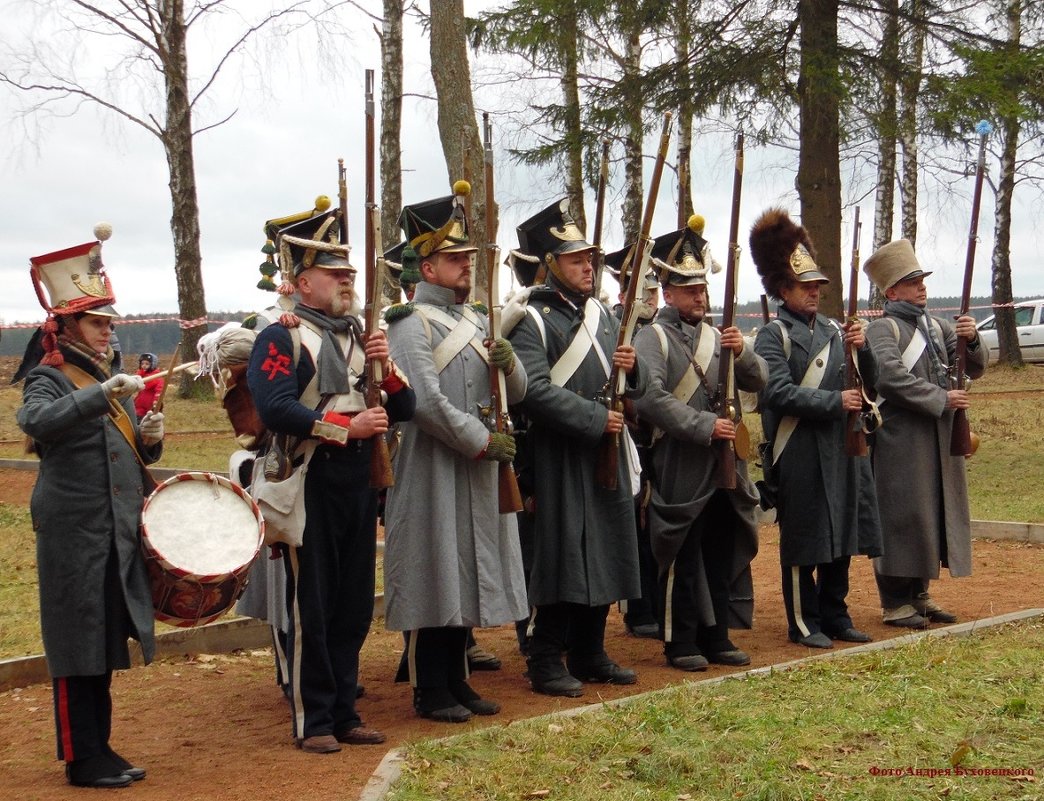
x=551, y=232
x=304, y=240
x=782, y=252
x=393, y=266
x=618, y=263
x=73, y=280
x=67, y=281
x=678, y=256
x=529, y=270
x=434, y=226
x=892, y=264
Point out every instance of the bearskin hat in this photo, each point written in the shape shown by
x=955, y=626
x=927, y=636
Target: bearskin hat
x=782, y=252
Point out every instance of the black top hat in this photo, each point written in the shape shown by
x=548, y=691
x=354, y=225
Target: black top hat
x=551, y=232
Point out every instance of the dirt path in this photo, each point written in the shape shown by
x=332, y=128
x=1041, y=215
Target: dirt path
x=217, y=728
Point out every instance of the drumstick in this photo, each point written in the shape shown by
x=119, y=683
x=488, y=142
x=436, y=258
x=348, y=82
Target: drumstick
x=165, y=373
x=158, y=405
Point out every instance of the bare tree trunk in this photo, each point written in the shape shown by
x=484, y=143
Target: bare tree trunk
x=819, y=170
x=1007, y=333
x=391, y=129
x=682, y=46
x=884, y=200
x=633, y=141
x=458, y=127
x=910, y=88
x=571, y=100
x=184, y=219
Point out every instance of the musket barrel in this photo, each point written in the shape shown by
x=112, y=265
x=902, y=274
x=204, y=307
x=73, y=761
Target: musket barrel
x=609, y=453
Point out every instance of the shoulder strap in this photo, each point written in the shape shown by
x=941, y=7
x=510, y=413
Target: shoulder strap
x=786, y=337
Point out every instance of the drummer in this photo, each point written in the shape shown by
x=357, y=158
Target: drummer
x=86, y=506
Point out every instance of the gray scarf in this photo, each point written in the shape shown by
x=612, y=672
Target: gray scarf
x=332, y=366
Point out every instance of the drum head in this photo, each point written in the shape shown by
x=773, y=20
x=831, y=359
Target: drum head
x=199, y=526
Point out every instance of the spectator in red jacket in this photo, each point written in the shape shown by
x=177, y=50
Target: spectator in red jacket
x=147, y=365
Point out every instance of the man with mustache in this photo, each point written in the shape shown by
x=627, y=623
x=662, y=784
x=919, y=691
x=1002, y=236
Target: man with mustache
x=319, y=401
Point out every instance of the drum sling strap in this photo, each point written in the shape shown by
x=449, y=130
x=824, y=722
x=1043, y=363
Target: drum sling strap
x=118, y=416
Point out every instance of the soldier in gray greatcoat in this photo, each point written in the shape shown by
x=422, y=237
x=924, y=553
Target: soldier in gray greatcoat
x=704, y=537
x=451, y=560
x=824, y=499
x=584, y=543
x=86, y=507
x=922, y=489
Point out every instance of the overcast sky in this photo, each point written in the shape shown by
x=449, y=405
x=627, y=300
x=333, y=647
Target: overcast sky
x=293, y=120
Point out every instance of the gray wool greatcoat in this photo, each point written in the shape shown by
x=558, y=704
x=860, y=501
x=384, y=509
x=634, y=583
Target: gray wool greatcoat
x=450, y=558
x=684, y=459
x=825, y=500
x=584, y=540
x=86, y=503
x=922, y=488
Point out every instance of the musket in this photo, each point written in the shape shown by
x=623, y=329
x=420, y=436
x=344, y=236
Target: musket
x=855, y=437
x=765, y=318
x=609, y=453
x=960, y=436
x=728, y=408
x=381, y=474
x=509, y=497
x=603, y=178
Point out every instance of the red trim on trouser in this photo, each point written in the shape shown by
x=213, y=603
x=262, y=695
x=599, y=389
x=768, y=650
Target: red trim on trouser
x=64, y=724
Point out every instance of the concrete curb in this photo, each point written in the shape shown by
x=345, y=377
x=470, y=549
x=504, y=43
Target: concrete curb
x=390, y=768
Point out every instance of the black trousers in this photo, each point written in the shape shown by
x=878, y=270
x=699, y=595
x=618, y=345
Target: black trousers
x=330, y=586
x=82, y=715
x=437, y=657
x=695, y=588
x=897, y=591
x=575, y=629
x=814, y=597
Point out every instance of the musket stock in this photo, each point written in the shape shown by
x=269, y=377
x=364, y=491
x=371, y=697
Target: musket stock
x=728, y=407
x=508, y=494
x=960, y=435
x=381, y=474
x=608, y=465
x=855, y=438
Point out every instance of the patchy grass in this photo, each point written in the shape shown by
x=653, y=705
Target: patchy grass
x=19, y=597
x=925, y=721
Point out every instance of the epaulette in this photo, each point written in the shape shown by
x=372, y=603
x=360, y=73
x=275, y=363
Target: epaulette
x=398, y=311
x=480, y=307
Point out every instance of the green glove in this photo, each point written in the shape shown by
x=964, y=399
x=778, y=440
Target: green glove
x=502, y=355
x=501, y=447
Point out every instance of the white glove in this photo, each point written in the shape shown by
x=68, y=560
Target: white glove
x=123, y=386
x=151, y=427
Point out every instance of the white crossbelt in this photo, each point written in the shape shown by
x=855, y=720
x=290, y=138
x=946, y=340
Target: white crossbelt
x=585, y=340
x=686, y=387
x=468, y=330
x=813, y=378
